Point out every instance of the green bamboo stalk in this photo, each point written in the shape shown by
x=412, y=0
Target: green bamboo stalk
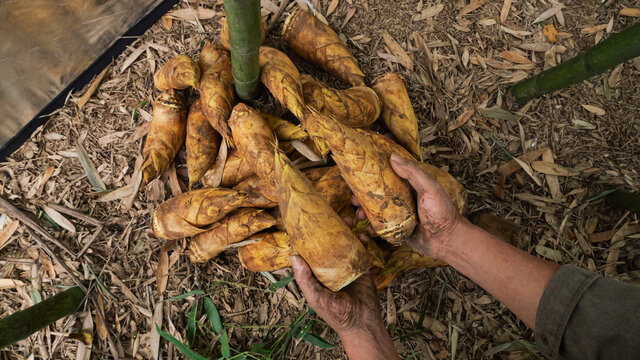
x=615, y=50
x=21, y=324
x=243, y=19
x=626, y=200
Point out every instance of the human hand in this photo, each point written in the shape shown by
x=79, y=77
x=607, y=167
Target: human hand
x=351, y=310
x=438, y=217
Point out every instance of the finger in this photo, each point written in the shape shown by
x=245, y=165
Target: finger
x=361, y=214
x=364, y=239
x=355, y=201
x=410, y=171
x=310, y=286
x=349, y=221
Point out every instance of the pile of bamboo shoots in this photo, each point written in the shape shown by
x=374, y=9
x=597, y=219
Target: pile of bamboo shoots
x=273, y=188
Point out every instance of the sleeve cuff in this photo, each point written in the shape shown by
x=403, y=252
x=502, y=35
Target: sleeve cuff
x=558, y=302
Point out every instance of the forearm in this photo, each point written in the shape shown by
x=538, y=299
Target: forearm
x=513, y=276
x=374, y=343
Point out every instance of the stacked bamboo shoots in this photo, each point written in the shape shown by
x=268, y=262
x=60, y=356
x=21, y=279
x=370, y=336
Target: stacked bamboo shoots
x=269, y=187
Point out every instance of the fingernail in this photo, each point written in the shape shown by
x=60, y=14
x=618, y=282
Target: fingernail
x=395, y=158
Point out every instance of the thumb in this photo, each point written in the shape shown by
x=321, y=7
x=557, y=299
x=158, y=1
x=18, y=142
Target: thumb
x=310, y=286
x=410, y=171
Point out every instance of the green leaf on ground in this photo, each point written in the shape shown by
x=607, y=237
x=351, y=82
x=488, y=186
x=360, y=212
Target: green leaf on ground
x=280, y=283
x=190, y=354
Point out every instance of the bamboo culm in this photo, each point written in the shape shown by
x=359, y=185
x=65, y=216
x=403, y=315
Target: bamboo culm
x=615, y=50
x=21, y=324
x=243, y=19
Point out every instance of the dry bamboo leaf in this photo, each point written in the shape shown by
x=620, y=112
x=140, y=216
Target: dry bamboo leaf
x=583, y=124
x=614, y=77
x=514, y=57
x=132, y=58
x=528, y=170
x=167, y=21
x=590, y=30
x=594, y=109
x=517, y=33
x=350, y=13
x=59, y=219
x=486, y=22
x=92, y=87
x=628, y=11
x=174, y=183
x=472, y=6
x=462, y=119
x=550, y=168
x=305, y=150
x=427, y=13
x=560, y=18
x=551, y=254
x=608, y=235
x=552, y=180
x=7, y=232
x=332, y=6
x=512, y=166
x=190, y=14
x=397, y=51
x=504, y=12
x=548, y=13
x=162, y=271
x=89, y=169
x=10, y=284
x=117, y=194
x=156, y=322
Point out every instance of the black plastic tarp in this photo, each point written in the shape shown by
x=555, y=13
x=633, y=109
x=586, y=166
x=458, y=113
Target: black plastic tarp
x=51, y=47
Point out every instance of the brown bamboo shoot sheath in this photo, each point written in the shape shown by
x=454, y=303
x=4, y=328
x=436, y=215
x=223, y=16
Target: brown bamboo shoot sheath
x=180, y=72
x=386, y=199
x=271, y=252
x=166, y=135
x=194, y=212
x=202, y=143
x=336, y=256
x=397, y=111
x=358, y=106
x=317, y=43
x=216, y=88
x=232, y=229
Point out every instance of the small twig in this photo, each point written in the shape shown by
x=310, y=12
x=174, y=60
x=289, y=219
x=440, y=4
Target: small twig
x=276, y=16
x=91, y=240
x=76, y=214
x=16, y=260
x=55, y=257
x=18, y=214
x=240, y=244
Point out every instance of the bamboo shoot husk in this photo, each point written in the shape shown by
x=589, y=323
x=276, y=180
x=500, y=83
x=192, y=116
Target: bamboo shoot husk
x=254, y=187
x=335, y=254
x=358, y=106
x=285, y=130
x=194, y=212
x=178, y=73
x=397, y=111
x=234, y=228
x=317, y=43
x=216, y=88
x=271, y=252
x=386, y=199
x=166, y=135
x=256, y=143
x=202, y=143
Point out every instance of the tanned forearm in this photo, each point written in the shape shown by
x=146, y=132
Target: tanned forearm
x=373, y=343
x=513, y=276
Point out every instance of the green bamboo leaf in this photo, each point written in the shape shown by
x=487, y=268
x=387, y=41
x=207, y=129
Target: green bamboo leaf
x=35, y=296
x=216, y=324
x=213, y=315
x=600, y=194
x=317, y=341
x=280, y=283
x=186, y=295
x=184, y=349
x=191, y=324
x=498, y=113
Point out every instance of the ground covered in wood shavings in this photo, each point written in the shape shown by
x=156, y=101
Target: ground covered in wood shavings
x=458, y=58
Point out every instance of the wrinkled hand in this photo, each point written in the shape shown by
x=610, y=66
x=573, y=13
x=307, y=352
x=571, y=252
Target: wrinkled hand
x=438, y=217
x=349, y=310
